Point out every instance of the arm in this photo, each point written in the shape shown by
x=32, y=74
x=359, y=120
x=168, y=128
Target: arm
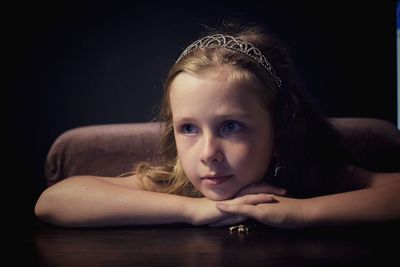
x=88, y=201
x=99, y=201
x=377, y=202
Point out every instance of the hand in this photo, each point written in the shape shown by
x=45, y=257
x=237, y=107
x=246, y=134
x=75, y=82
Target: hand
x=282, y=213
x=261, y=187
x=252, y=199
x=203, y=211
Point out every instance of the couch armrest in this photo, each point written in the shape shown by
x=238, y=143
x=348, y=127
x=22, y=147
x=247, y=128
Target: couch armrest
x=370, y=143
x=103, y=150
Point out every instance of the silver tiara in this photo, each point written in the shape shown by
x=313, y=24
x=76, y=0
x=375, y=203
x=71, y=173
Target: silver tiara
x=230, y=42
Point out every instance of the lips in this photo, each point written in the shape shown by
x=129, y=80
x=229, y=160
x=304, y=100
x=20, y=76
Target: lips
x=216, y=179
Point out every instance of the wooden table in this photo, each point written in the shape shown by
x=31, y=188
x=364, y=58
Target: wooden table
x=182, y=245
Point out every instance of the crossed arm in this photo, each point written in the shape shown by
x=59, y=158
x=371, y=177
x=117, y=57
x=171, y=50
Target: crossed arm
x=377, y=202
x=86, y=201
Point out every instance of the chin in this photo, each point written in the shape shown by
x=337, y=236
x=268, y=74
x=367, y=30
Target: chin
x=218, y=197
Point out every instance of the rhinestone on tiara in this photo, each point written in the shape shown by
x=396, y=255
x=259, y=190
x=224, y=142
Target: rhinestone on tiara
x=236, y=44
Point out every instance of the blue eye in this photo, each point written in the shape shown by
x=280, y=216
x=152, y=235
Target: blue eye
x=189, y=129
x=231, y=127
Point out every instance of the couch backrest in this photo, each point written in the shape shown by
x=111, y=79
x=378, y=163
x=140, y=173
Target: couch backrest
x=114, y=149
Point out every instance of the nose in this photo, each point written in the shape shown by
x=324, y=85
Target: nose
x=211, y=150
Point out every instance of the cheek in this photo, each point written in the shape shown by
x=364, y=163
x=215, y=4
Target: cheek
x=251, y=161
x=185, y=154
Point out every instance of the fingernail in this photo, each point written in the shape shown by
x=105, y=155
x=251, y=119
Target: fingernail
x=270, y=196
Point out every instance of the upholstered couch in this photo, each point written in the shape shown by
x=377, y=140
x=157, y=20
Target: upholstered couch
x=113, y=149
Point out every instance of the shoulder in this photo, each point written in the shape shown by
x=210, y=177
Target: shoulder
x=356, y=176
x=128, y=181
x=353, y=177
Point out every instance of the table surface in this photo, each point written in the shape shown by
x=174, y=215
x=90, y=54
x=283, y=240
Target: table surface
x=183, y=245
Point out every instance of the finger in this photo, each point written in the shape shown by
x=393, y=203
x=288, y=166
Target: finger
x=262, y=188
x=253, y=199
x=234, y=219
x=238, y=209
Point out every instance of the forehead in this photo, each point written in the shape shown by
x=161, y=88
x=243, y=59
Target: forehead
x=225, y=73
x=216, y=90
x=222, y=76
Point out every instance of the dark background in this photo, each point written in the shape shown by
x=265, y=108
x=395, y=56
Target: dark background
x=70, y=64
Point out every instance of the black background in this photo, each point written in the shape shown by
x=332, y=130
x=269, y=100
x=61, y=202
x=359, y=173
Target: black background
x=70, y=64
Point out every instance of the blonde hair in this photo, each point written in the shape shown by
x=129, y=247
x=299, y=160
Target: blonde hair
x=170, y=177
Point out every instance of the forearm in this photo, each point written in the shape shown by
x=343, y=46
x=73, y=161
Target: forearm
x=87, y=201
x=375, y=204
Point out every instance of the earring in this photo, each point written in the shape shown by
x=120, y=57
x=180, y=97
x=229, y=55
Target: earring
x=277, y=167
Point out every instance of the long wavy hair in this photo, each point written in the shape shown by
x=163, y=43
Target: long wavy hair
x=307, y=145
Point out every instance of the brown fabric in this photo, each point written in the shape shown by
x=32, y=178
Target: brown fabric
x=104, y=150
x=370, y=143
x=113, y=149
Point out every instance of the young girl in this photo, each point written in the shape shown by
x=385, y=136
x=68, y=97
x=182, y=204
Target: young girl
x=241, y=142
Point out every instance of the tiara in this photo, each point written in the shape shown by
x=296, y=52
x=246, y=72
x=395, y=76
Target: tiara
x=232, y=43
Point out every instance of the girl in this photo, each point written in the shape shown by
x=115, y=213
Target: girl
x=240, y=142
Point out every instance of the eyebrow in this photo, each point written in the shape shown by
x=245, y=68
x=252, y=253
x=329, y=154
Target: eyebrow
x=241, y=115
